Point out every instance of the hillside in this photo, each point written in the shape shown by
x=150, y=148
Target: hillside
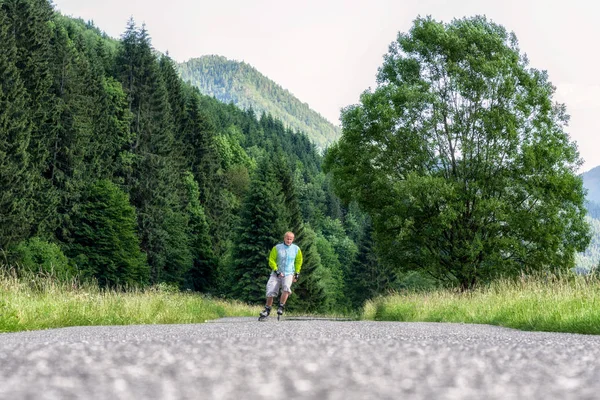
x=590, y=258
x=241, y=84
x=591, y=182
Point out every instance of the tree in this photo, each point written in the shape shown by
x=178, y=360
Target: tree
x=201, y=276
x=203, y=160
x=30, y=25
x=67, y=169
x=461, y=158
x=310, y=294
x=366, y=278
x=261, y=226
x=154, y=181
x=175, y=92
x=104, y=244
x=16, y=177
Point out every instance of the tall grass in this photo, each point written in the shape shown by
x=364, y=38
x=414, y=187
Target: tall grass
x=39, y=303
x=536, y=303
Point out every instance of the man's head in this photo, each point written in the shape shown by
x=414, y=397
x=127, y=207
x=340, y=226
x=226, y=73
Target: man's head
x=288, y=238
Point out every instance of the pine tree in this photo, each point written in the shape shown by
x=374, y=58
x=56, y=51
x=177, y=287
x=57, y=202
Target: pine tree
x=105, y=102
x=366, y=278
x=259, y=230
x=110, y=154
x=202, y=158
x=154, y=181
x=201, y=277
x=175, y=92
x=67, y=168
x=309, y=294
x=104, y=242
x=29, y=22
x=16, y=177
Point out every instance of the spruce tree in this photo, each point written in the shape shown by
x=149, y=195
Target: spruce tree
x=16, y=177
x=175, y=93
x=201, y=277
x=366, y=277
x=260, y=228
x=67, y=168
x=154, y=181
x=110, y=154
x=203, y=159
x=29, y=23
x=104, y=244
x=309, y=294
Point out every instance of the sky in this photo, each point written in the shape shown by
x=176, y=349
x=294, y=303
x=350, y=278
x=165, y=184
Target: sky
x=327, y=52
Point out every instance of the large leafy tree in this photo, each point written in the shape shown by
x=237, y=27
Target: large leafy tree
x=460, y=156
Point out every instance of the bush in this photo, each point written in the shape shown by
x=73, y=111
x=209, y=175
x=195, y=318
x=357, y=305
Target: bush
x=41, y=257
x=104, y=242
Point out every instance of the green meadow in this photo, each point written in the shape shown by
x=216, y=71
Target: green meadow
x=552, y=303
x=41, y=303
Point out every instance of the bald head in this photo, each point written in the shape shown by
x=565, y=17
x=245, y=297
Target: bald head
x=288, y=238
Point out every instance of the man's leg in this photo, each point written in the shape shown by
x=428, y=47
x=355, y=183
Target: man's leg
x=285, y=293
x=283, y=298
x=286, y=288
x=273, y=285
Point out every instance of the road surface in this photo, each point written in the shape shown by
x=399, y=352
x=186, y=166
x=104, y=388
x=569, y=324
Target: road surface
x=241, y=358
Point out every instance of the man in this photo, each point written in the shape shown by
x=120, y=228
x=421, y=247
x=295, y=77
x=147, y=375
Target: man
x=285, y=260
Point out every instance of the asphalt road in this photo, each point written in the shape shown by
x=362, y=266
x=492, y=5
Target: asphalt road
x=240, y=358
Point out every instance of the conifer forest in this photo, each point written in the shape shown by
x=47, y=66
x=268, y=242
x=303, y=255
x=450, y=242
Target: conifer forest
x=114, y=170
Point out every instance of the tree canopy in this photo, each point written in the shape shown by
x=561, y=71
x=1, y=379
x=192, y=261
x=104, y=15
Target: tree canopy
x=115, y=171
x=461, y=157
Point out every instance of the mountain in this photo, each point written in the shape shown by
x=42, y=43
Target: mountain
x=591, y=182
x=241, y=84
x=590, y=258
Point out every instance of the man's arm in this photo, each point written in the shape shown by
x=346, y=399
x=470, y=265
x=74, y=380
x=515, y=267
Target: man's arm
x=273, y=259
x=298, y=261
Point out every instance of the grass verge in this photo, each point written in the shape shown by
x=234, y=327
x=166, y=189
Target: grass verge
x=38, y=303
x=554, y=304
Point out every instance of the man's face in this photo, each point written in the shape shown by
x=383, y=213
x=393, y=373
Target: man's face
x=288, y=239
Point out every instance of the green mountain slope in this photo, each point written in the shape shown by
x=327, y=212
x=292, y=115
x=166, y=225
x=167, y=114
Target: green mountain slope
x=591, y=181
x=239, y=83
x=591, y=257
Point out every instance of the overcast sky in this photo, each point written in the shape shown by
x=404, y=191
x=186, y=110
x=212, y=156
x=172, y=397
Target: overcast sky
x=326, y=52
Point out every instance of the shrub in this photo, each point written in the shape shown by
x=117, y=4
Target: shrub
x=41, y=257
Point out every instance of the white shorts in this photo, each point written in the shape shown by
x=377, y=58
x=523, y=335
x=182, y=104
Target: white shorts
x=275, y=283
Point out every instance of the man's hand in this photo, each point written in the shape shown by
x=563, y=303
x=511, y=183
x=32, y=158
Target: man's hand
x=296, y=277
